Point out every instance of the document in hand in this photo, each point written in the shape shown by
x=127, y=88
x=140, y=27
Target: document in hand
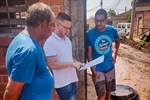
x=93, y=63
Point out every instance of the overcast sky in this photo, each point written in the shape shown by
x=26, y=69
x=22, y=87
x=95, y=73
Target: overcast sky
x=117, y=5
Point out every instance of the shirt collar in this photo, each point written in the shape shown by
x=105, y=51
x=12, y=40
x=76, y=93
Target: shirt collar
x=57, y=37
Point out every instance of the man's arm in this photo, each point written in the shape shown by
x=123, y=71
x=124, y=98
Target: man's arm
x=95, y=76
x=52, y=64
x=90, y=58
x=13, y=90
x=115, y=49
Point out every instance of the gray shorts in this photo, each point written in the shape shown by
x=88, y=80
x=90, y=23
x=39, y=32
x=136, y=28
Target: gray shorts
x=106, y=82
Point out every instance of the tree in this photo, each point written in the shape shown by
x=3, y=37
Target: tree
x=128, y=15
x=111, y=12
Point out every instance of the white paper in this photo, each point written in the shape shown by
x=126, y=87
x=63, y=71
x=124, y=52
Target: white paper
x=93, y=63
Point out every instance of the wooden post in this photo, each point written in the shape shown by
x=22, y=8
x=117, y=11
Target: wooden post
x=75, y=8
x=132, y=20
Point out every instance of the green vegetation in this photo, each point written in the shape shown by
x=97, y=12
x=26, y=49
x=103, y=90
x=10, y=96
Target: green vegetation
x=137, y=40
x=111, y=12
x=141, y=42
x=128, y=15
x=142, y=0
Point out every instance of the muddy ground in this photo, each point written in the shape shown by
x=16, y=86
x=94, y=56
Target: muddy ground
x=132, y=69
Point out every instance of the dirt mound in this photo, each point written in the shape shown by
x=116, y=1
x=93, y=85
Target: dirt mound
x=144, y=47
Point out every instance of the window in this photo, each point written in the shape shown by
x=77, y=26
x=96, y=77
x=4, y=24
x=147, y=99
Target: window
x=119, y=25
x=128, y=26
x=123, y=26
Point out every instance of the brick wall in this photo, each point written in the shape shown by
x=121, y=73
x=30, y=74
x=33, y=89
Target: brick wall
x=56, y=6
x=4, y=43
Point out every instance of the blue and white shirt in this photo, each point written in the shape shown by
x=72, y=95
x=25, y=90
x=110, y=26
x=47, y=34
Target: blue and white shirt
x=101, y=43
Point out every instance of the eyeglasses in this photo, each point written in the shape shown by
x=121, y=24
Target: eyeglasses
x=100, y=21
x=64, y=26
x=52, y=26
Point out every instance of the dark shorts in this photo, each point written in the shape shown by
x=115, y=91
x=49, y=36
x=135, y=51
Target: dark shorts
x=106, y=82
x=67, y=92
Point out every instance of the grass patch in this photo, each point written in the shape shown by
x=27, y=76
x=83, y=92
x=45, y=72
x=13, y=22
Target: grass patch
x=141, y=42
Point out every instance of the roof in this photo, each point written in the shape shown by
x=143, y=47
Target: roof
x=146, y=8
x=142, y=7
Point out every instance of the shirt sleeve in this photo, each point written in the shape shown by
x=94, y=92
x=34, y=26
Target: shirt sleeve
x=49, y=49
x=24, y=64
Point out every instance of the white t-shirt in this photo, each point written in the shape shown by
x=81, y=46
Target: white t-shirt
x=61, y=48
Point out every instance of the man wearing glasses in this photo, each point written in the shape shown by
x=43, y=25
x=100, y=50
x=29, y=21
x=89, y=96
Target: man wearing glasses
x=58, y=51
x=99, y=42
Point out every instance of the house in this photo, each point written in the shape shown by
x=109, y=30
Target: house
x=142, y=18
x=90, y=23
x=115, y=19
x=112, y=20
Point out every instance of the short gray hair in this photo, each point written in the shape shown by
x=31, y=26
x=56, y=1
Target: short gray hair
x=38, y=13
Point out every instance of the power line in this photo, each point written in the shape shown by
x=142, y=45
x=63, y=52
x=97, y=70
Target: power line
x=93, y=8
x=113, y=8
x=96, y=8
x=116, y=5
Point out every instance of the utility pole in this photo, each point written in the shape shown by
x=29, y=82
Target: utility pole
x=132, y=20
x=101, y=4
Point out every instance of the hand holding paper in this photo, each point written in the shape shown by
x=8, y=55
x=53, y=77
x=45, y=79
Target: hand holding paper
x=93, y=63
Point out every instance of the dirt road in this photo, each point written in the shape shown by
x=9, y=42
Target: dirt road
x=132, y=69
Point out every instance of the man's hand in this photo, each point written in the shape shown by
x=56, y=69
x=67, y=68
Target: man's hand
x=77, y=65
x=95, y=76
